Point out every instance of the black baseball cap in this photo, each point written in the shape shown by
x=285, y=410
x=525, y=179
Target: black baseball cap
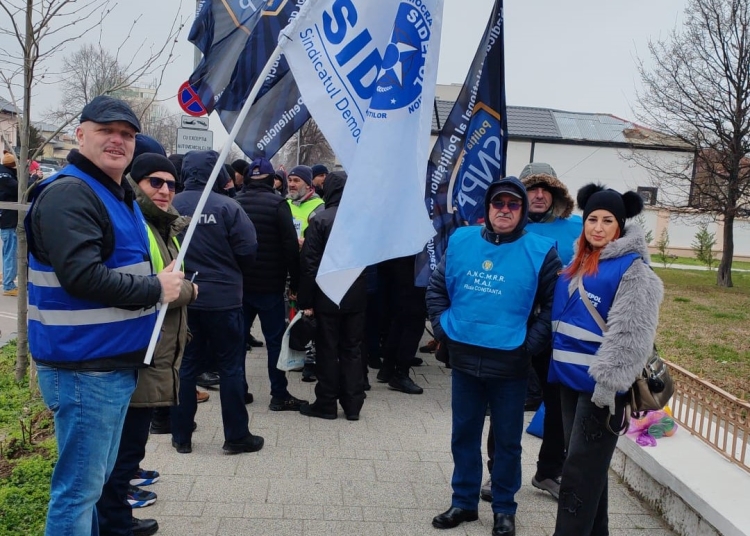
x=104, y=109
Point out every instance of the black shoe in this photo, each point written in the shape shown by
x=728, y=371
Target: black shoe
x=453, y=517
x=255, y=343
x=385, y=375
x=161, y=427
x=505, y=525
x=367, y=386
x=144, y=527
x=207, y=379
x=313, y=410
x=250, y=443
x=249, y=398
x=532, y=404
x=290, y=404
x=416, y=362
x=308, y=374
x=400, y=381
x=182, y=448
x=352, y=417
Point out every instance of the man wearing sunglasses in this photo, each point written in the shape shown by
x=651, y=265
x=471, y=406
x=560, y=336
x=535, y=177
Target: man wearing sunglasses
x=490, y=301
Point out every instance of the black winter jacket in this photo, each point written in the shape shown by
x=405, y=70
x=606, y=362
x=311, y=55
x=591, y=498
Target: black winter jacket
x=69, y=229
x=224, y=244
x=8, y=192
x=488, y=362
x=316, y=238
x=278, y=248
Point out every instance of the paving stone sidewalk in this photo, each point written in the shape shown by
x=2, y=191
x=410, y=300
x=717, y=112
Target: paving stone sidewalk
x=384, y=475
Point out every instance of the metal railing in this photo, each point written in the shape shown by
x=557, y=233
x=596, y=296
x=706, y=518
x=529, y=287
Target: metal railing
x=718, y=418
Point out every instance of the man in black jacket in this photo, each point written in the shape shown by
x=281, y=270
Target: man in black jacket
x=265, y=281
x=340, y=327
x=222, y=250
x=8, y=222
x=92, y=298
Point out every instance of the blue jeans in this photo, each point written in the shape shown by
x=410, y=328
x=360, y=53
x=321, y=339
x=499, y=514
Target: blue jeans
x=270, y=308
x=10, y=263
x=89, y=409
x=217, y=340
x=470, y=397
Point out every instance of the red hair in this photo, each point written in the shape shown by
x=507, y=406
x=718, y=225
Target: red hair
x=586, y=260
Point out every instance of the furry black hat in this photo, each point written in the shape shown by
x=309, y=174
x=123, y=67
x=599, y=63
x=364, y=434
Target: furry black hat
x=622, y=206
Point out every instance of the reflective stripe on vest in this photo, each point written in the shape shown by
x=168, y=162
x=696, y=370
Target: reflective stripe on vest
x=64, y=328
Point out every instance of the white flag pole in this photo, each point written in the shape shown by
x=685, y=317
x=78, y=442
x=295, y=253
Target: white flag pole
x=207, y=190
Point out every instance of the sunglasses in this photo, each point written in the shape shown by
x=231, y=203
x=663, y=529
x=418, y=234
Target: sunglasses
x=157, y=183
x=512, y=205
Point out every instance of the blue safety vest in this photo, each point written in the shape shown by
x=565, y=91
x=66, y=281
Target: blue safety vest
x=576, y=335
x=65, y=329
x=564, y=231
x=491, y=287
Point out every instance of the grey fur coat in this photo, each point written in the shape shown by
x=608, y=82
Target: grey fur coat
x=632, y=320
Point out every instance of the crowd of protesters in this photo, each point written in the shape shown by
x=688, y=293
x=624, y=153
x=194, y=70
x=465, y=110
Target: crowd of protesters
x=504, y=304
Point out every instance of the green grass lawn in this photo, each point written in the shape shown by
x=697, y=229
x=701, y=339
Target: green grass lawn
x=687, y=261
x=27, y=453
x=706, y=329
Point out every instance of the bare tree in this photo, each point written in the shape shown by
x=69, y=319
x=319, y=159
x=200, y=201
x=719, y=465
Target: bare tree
x=698, y=90
x=308, y=147
x=162, y=125
x=41, y=29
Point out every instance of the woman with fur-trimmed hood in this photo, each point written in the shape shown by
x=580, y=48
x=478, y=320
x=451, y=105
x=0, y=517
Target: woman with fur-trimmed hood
x=596, y=368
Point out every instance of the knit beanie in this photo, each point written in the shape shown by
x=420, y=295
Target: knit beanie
x=319, y=169
x=9, y=159
x=303, y=172
x=148, y=163
x=622, y=206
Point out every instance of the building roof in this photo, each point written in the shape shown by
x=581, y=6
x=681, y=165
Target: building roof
x=7, y=107
x=545, y=124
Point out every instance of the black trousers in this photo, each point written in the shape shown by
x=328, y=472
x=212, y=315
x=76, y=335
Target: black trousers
x=113, y=510
x=406, y=311
x=552, y=452
x=583, y=506
x=339, y=369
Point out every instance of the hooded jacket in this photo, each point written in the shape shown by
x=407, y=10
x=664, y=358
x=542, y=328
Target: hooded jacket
x=558, y=222
x=278, y=248
x=159, y=384
x=632, y=318
x=224, y=245
x=8, y=192
x=316, y=238
x=491, y=362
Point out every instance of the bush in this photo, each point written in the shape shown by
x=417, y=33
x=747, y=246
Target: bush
x=662, y=245
x=703, y=246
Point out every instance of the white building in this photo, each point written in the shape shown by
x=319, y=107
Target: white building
x=596, y=147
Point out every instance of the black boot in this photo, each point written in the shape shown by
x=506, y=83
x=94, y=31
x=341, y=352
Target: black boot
x=144, y=527
x=400, y=381
x=505, y=525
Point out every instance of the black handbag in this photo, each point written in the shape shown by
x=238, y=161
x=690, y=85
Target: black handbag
x=653, y=387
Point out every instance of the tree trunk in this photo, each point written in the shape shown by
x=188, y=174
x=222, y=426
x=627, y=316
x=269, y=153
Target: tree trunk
x=724, y=273
x=22, y=348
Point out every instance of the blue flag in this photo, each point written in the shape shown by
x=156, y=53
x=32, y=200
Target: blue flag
x=471, y=149
x=237, y=38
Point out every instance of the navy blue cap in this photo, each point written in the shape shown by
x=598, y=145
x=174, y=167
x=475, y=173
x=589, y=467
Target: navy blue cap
x=104, y=109
x=260, y=166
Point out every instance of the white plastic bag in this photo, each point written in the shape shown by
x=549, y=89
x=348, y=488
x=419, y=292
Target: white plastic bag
x=290, y=359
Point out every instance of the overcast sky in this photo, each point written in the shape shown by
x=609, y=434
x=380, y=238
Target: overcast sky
x=576, y=55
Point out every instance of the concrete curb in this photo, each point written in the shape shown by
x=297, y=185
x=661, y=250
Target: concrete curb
x=698, y=492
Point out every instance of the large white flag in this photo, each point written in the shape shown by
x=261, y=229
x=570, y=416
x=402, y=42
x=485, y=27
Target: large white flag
x=366, y=70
